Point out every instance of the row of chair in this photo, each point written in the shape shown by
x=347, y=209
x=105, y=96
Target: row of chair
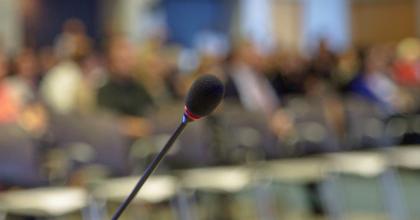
x=380, y=184
x=230, y=136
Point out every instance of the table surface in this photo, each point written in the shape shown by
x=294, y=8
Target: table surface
x=51, y=201
x=156, y=189
x=225, y=179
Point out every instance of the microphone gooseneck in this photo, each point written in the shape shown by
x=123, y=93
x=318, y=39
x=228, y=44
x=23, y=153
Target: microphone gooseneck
x=204, y=96
x=149, y=170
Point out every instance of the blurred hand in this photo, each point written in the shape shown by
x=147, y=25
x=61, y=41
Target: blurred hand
x=282, y=124
x=34, y=119
x=135, y=127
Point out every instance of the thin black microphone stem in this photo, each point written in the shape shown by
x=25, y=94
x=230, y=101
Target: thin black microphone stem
x=149, y=170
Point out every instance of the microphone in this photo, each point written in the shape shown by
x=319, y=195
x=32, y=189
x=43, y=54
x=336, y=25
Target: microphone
x=204, y=96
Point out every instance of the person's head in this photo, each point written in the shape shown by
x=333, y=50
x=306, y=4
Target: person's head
x=121, y=57
x=74, y=26
x=291, y=63
x=323, y=45
x=74, y=44
x=249, y=54
x=47, y=59
x=376, y=60
x=408, y=50
x=26, y=64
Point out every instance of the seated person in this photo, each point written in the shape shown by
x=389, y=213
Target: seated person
x=9, y=111
x=121, y=93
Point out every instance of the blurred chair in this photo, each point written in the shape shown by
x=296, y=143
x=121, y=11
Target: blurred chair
x=44, y=203
x=314, y=133
x=143, y=150
x=20, y=159
x=191, y=148
x=365, y=121
x=359, y=186
x=156, y=200
x=406, y=160
x=91, y=140
x=404, y=129
x=219, y=193
x=240, y=135
x=289, y=186
x=396, y=129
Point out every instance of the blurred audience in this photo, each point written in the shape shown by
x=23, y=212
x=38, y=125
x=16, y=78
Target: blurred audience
x=303, y=97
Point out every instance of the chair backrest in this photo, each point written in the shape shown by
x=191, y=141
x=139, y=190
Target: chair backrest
x=244, y=132
x=366, y=127
x=19, y=158
x=101, y=132
x=314, y=133
x=414, y=122
x=191, y=148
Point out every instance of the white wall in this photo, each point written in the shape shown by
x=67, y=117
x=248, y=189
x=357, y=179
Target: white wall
x=328, y=19
x=287, y=23
x=10, y=25
x=256, y=22
x=134, y=18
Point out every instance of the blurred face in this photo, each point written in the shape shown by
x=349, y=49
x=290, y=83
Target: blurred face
x=47, y=59
x=27, y=64
x=291, y=64
x=376, y=61
x=74, y=26
x=122, y=57
x=156, y=65
x=250, y=55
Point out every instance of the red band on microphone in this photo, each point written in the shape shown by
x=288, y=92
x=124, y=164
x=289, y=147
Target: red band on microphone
x=190, y=115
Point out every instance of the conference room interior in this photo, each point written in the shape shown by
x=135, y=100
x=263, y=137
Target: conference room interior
x=320, y=117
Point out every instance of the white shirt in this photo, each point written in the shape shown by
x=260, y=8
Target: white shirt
x=60, y=85
x=255, y=92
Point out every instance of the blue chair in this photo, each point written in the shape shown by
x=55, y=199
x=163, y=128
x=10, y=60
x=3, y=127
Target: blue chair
x=20, y=161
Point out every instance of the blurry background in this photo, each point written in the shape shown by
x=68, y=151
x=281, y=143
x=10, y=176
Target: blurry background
x=320, y=120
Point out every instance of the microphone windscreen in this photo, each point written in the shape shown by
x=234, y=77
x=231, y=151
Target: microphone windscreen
x=204, y=96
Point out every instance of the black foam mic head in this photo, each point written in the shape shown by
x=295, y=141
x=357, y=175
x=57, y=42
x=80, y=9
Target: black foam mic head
x=204, y=96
